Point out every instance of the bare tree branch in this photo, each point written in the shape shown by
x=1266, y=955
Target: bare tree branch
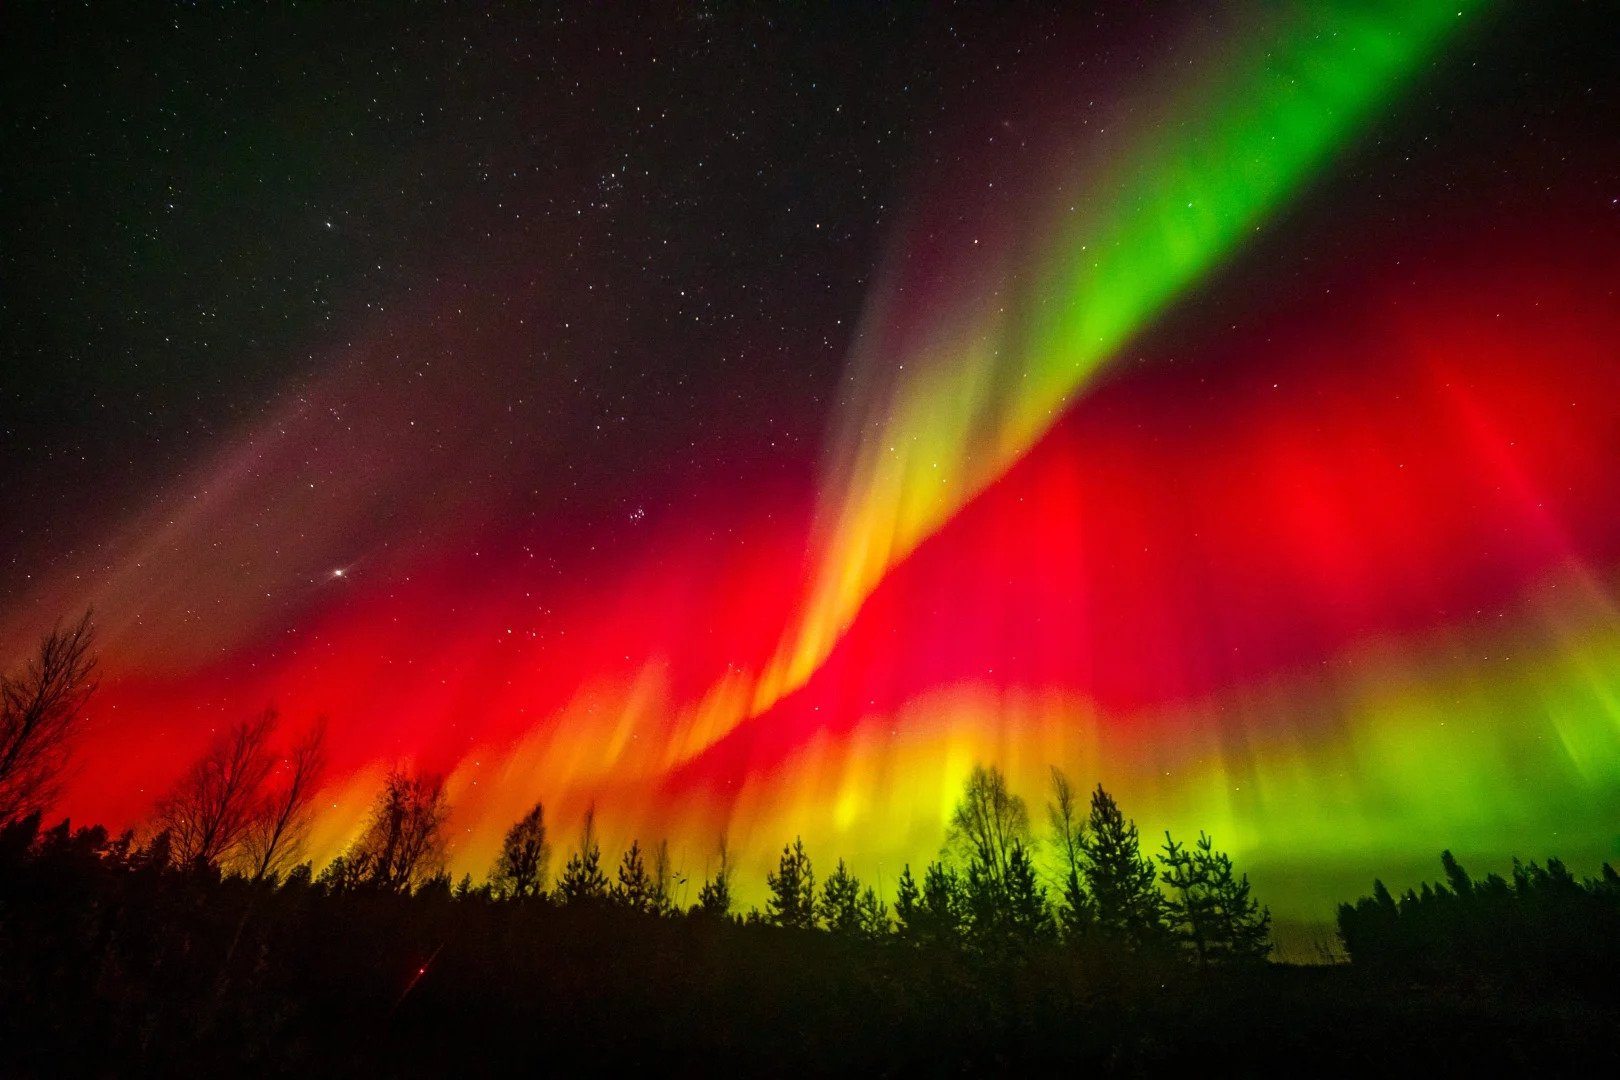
x=210, y=810
x=41, y=712
x=275, y=837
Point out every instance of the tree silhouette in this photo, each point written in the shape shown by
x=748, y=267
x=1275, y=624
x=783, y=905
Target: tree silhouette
x=404, y=843
x=664, y=880
x=987, y=822
x=345, y=873
x=520, y=870
x=1028, y=916
x=634, y=890
x=840, y=904
x=1076, y=913
x=1209, y=908
x=793, y=889
x=209, y=812
x=714, y=896
x=907, y=901
x=943, y=902
x=1544, y=926
x=41, y=713
x=275, y=835
x=872, y=915
x=583, y=881
x=934, y=913
x=1120, y=882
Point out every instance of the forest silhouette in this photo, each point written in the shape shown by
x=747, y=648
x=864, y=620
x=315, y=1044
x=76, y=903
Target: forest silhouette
x=209, y=943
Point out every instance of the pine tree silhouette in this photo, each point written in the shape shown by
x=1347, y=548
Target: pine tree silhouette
x=793, y=889
x=839, y=905
x=1028, y=916
x=583, y=881
x=944, y=903
x=872, y=915
x=1209, y=908
x=909, y=914
x=634, y=890
x=520, y=871
x=714, y=896
x=1120, y=882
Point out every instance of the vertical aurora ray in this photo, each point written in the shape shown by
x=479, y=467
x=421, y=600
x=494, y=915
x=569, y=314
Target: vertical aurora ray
x=937, y=414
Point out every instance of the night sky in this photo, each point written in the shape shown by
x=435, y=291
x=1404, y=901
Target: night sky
x=645, y=239
x=748, y=419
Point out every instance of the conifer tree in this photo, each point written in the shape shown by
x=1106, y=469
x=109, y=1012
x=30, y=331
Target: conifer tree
x=872, y=915
x=839, y=906
x=1120, y=882
x=1027, y=915
x=583, y=881
x=984, y=902
x=714, y=897
x=908, y=904
x=793, y=889
x=1209, y=908
x=520, y=871
x=634, y=890
x=944, y=905
x=932, y=913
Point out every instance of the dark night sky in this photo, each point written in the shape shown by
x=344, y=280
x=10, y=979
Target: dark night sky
x=598, y=260
x=653, y=234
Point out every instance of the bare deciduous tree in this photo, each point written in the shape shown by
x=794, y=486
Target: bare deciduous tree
x=404, y=844
x=665, y=880
x=41, y=711
x=211, y=809
x=275, y=837
x=1075, y=909
x=988, y=822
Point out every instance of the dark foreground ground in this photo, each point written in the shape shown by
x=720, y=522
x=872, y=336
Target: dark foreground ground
x=157, y=976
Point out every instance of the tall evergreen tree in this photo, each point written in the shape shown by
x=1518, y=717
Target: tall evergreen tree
x=793, y=889
x=1027, y=916
x=840, y=903
x=908, y=905
x=932, y=913
x=1120, y=882
x=984, y=903
x=1242, y=925
x=944, y=905
x=520, y=871
x=583, y=881
x=1190, y=907
x=872, y=915
x=714, y=897
x=634, y=890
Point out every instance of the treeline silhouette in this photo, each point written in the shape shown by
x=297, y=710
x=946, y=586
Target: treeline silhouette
x=209, y=943
x=1545, y=926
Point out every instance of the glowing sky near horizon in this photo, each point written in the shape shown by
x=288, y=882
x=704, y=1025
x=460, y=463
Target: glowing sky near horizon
x=1317, y=552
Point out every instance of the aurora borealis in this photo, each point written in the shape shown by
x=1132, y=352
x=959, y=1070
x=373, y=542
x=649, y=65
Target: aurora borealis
x=1225, y=410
